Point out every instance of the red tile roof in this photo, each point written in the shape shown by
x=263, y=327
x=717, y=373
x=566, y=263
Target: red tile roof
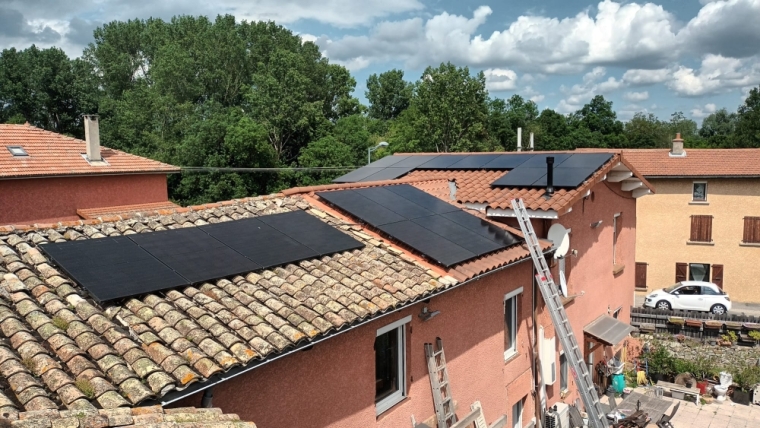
x=126, y=211
x=154, y=416
x=52, y=154
x=696, y=163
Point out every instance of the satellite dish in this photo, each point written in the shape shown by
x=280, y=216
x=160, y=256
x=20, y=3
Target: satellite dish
x=560, y=238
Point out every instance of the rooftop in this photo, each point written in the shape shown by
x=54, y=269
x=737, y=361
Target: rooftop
x=159, y=347
x=696, y=163
x=51, y=154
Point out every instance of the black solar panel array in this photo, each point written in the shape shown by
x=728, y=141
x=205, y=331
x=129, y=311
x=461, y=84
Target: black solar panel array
x=433, y=227
x=123, y=266
x=526, y=169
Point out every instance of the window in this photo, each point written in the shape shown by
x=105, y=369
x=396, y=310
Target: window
x=751, y=230
x=390, y=365
x=708, y=291
x=699, y=272
x=511, y=309
x=562, y=371
x=615, y=238
x=699, y=191
x=17, y=151
x=701, y=228
x=517, y=411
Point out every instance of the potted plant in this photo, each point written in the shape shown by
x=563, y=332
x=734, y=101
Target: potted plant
x=692, y=322
x=713, y=324
x=755, y=335
x=746, y=378
x=703, y=368
x=660, y=364
x=728, y=339
x=676, y=321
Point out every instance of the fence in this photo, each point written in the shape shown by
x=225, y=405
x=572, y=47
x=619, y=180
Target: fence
x=697, y=325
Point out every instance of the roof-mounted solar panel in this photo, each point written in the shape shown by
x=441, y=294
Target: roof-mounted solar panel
x=357, y=175
x=428, y=243
x=474, y=161
x=508, y=161
x=586, y=160
x=442, y=162
x=414, y=161
x=539, y=160
x=520, y=177
x=389, y=173
x=312, y=232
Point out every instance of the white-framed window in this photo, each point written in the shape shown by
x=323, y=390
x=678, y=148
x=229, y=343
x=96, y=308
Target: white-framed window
x=699, y=191
x=390, y=365
x=517, y=411
x=562, y=371
x=511, y=317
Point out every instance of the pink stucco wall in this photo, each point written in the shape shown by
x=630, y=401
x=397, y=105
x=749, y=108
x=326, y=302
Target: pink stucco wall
x=45, y=200
x=333, y=383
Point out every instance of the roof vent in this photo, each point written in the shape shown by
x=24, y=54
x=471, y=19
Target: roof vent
x=17, y=151
x=677, y=149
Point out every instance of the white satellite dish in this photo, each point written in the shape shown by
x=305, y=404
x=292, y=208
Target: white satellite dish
x=560, y=238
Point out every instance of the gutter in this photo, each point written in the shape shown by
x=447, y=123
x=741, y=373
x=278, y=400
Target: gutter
x=85, y=174
x=176, y=395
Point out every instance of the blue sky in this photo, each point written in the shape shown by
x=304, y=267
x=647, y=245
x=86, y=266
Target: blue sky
x=694, y=56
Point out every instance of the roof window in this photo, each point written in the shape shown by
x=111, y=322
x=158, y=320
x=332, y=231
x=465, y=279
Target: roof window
x=17, y=151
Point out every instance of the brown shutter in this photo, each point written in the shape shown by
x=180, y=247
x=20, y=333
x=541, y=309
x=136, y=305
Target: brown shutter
x=681, y=271
x=701, y=228
x=641, y=275
x=751, y=230
x=717, y=275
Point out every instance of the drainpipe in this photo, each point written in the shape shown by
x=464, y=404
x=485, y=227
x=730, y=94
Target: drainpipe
x=536, y=383
x=208, y=395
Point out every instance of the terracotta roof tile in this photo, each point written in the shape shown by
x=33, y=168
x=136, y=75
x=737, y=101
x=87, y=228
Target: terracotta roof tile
x=696, y=163
x=149, y=345
x=52, y=154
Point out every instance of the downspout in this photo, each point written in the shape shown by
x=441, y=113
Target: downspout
x=208, y=395
x=534, y=360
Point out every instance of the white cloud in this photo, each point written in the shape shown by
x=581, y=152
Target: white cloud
x=703, y=112
x=636, y=96
x=537, y=98
x=716, y=74
x=592, y=85
x=498, y=80
x=640, y=77
x=727, y=28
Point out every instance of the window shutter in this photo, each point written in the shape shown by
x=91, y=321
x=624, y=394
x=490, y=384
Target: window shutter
x=641, y=275
x=681, y=271
x=717, y=275
x=701, y=228
x=751, y=230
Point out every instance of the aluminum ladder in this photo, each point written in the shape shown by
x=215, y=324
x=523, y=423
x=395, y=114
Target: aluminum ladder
x=596, y=416
x=439, y=382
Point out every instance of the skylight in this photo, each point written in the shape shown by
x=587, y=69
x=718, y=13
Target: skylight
x=17, y=151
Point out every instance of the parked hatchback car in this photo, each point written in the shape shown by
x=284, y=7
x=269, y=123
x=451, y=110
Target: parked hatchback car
x=690, y=296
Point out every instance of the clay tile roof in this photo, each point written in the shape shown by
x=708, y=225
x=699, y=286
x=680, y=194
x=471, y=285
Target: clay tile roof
x=63, y=351
x=155, y=416
x=52, y=154
x=696, y=163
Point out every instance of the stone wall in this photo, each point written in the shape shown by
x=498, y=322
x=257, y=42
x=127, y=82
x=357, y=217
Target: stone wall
x=690, y=349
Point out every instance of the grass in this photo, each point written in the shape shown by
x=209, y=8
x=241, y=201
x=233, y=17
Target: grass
x=60, y=323
x=86, y=387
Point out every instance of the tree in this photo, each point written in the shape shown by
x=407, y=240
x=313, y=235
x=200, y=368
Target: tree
x=646, y=131
x=600, y=120
x=748, y=122
x=325, y=152
x=718, y=129
x=388, y=94
x=448, y=111
x=553, y=132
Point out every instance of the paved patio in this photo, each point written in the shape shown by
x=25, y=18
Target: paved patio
x=714, y=415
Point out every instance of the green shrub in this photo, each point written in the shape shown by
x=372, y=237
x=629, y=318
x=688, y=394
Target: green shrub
x=660, y=361
x=755, y=335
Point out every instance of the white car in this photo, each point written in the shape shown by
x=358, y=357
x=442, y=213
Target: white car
x=690, y=296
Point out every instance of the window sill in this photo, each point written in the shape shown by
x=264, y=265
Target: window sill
x=382, y=414
x=567, y=300
x=617, y=269
x=509, y=357
x=711, y=243
x=699, y=203
x=749, y=244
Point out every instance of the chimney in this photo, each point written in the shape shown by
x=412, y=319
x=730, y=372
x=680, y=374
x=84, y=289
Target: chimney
x=677, y=149
x=531, y=142
x=92, y=136
x=519, y=139
x=549, y=176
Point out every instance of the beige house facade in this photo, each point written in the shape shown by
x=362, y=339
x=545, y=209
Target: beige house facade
x=703, y=222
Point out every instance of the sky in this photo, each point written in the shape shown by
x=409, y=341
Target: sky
x=694, y=56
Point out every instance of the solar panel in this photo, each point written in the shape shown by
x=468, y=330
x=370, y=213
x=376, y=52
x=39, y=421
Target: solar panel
x=571, y=177
x=425, y=200
x=586, y=160
x=357, y=175
x=194, y=254
x=388, y=161
x=426, y=242
x=394, y=202
x=520, y=177
x=482, y=227
x=474, y=162
x=507, y=161
x=415, y=161
x=458, y=234
x=259, y=242
x=112, y=268
x=442, y=162
x=539, y=160
x=361, y=207
x=388, y=173
x=312, y=232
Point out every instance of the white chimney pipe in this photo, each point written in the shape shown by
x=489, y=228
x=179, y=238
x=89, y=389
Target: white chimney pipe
x=519, y=139
x=92, y=136
x=531, y=142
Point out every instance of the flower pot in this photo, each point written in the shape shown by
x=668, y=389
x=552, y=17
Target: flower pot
x=702, y=386
x=740, y=397
x=713, y=325
x=733, y=325
x=694, y=323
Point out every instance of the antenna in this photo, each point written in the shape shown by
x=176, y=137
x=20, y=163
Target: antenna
x=560, y=238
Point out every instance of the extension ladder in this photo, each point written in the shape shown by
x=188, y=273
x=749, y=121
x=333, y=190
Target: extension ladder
x=596, y=417
x=439, y=382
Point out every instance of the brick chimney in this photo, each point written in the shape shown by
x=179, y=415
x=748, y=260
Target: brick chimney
x=677, y=149
x=92, y=136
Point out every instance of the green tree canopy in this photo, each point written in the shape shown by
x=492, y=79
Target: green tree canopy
x=388, y=94
x=748, y=123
